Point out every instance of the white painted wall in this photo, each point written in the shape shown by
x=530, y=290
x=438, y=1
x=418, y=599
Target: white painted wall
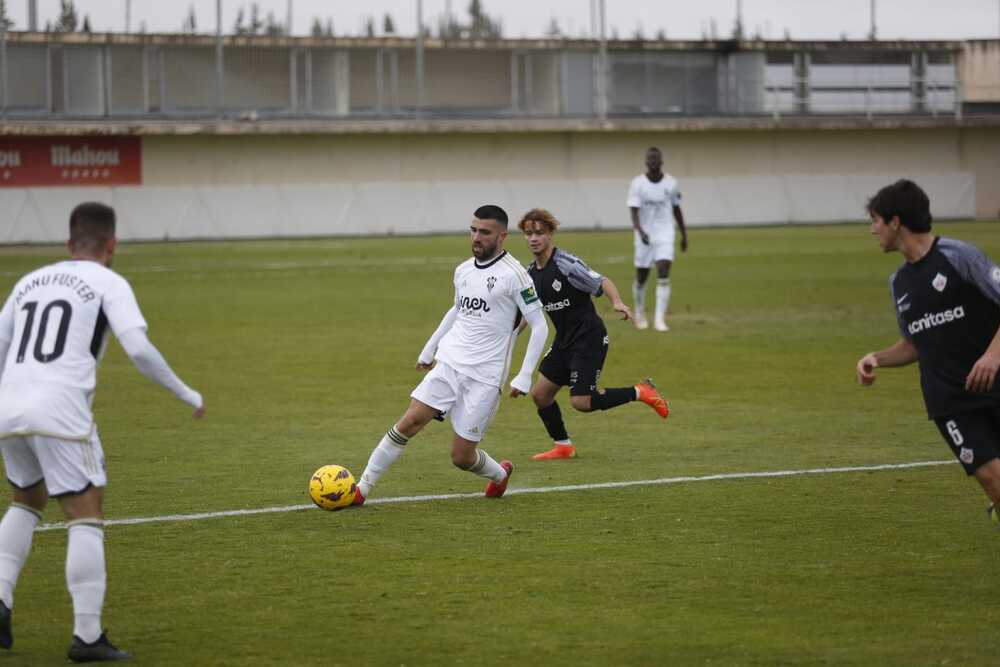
x=417, y=207
x=215, y=186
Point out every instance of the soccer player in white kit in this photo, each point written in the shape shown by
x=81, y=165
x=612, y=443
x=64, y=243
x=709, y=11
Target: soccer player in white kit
x=654, y=201
x=53, y=332
x=469, y=356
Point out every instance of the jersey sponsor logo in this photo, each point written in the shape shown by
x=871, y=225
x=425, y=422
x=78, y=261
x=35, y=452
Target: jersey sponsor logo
x=490, y=282
x=940, y=282
x=557, y=305
x=556, y=285
x=528, y=295
x=931, y=320
x=473, y=304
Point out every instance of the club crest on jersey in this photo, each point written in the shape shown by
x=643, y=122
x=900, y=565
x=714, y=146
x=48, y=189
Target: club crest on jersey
x=490, y=282
x=939, y=282
x=556, y=285
x=966, y=455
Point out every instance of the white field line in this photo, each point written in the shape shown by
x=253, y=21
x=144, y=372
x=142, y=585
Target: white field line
x=510, y=492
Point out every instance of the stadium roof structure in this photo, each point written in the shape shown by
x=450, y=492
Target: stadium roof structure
x=163, y=84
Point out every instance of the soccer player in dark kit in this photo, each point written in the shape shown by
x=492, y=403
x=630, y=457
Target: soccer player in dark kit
x=947, y=300
x=565, y=286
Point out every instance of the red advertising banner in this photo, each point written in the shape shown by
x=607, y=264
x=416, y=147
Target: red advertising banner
x=67, y=161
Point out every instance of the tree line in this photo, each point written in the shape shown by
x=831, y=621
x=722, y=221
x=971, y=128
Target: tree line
x=250, y=20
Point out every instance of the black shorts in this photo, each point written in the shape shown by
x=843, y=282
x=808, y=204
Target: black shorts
x=578, y=367
x=974, y=437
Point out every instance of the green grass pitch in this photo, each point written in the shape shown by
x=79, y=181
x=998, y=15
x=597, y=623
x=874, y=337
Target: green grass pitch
x=304, y=351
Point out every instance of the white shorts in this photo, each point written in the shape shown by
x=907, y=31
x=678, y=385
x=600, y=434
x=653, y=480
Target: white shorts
x=661, y=248
x=67, y=466
x=469, y=404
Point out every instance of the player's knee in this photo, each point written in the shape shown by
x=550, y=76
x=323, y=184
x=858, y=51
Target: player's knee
x=581, y=403
x=36, y=496
x=988, y=475
x=541, y=398
x=414, y=419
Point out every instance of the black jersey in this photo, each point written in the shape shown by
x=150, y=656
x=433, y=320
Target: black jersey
x=948, y=306
x=564, y=287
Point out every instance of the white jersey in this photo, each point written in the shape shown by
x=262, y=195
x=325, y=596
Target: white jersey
x=490, y=300
x=57, y=319
x=656, y=202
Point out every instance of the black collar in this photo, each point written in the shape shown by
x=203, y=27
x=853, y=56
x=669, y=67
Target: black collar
x=929, y=251
x=552, y=258
x=489, y=263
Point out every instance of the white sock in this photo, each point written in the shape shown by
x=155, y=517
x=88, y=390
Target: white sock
x=486, y=467
x=388, y=451
x=86, y=578
x=16, y=531
x=639, y=297
x=662, y=298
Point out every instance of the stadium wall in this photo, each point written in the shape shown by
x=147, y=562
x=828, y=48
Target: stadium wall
x=219, y=186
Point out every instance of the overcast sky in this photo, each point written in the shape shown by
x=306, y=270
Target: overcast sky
x=803, y=19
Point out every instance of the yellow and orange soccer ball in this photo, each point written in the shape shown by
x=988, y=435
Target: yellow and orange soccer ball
x=332, y=487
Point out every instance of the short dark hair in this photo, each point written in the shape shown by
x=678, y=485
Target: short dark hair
x=904, y=199
x=491, y=212
x=91, y=224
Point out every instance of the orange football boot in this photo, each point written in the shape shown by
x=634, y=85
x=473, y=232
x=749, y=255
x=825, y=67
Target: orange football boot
x=557, y=452
x=648, y=395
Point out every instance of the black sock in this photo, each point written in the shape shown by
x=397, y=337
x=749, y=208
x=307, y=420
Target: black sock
x=611, y=398
x=552, y=418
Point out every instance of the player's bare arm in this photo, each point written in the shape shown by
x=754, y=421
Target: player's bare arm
x=634, y=212
x=616, y=299
x=679, y=217
x=900, y=353
x=984, y=372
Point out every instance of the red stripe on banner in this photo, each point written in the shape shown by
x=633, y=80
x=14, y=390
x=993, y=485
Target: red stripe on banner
x=68, y=161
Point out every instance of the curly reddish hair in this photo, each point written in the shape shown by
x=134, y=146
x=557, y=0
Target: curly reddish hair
x=542, y=217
